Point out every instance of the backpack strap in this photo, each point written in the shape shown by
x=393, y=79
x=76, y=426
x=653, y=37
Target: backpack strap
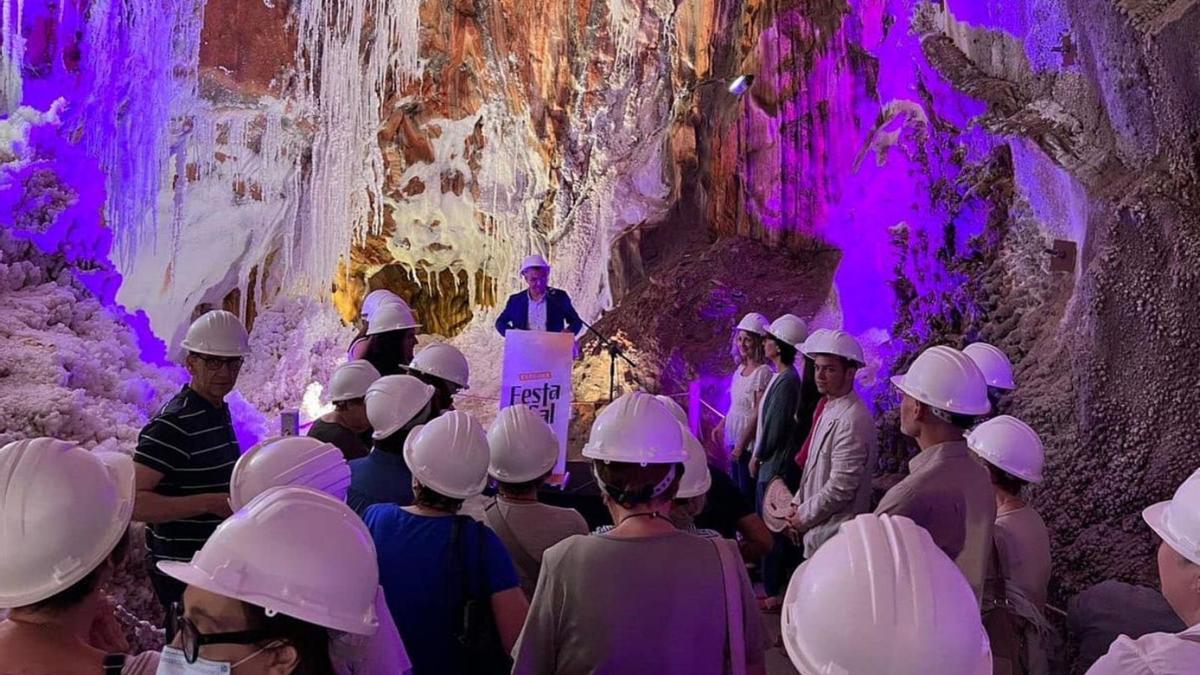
x=733, y=606
x=522, y=557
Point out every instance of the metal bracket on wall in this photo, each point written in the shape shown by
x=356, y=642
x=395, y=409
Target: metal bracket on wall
x=1062, y=255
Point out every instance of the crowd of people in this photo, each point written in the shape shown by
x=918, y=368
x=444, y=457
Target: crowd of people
x=374, y=544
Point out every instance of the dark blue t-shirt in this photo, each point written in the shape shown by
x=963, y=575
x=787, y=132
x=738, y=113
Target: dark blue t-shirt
x=379, y=478
x=421, y=582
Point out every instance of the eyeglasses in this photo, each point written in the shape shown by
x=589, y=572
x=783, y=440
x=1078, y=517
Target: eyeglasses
x=191, y=639
x=219, y=362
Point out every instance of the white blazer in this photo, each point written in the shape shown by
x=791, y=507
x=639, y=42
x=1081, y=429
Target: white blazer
x=836, y=485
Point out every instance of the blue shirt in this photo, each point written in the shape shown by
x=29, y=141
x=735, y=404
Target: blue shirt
x=422, y=584
x=379, y=478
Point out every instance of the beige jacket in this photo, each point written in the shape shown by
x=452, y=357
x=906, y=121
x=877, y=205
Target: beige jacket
x=949, y=493
x=836, y=485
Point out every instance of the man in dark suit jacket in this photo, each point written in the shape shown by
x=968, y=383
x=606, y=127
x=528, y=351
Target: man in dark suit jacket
x=539, y=307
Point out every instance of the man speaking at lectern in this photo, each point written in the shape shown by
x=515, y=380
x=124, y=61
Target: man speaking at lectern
x=539, y=307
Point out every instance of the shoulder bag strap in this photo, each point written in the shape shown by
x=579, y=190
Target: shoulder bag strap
x=733, y=607
x=523, y=557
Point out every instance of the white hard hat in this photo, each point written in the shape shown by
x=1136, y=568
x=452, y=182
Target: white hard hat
x=1177, y=521
x=523, y=447
x=393, y=401
x=449, y=455
x=994, y=364
x=790, y=329
x=1011, y=445
x=883, y=577
x=376, y=298
x=696, y=478
x=754, y=323
x=533, y=261
x=289, y=460
x=217, y=333
x=293, y=551
x=636, y=428
x=391, y=315
x=835, y=342
x=64, y=511
x=351, y=380
x=442, y=360
x=673, y=406
x=945, y=378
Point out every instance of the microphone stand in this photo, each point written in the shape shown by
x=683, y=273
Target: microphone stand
x=614, y=352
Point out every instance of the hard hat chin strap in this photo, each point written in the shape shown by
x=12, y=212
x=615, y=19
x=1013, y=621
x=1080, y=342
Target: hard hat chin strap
x=642, y=496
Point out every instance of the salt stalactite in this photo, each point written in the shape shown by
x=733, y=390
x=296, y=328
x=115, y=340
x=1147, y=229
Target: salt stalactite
x=349, y=55
x=139, y=66
x=12, y=54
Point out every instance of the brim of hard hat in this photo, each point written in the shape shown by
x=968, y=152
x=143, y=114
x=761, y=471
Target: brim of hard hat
x=796, y=346
x=987, y=457
x=190, y=574
x=371, y=331
x=757, y=330
x=812, y=353
x=898, y=382
x=1157, y=517
x=596, y=452
x=413, y=369
x=214, y=352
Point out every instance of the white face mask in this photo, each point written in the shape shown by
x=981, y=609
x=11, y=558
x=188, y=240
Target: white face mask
x=173, y=662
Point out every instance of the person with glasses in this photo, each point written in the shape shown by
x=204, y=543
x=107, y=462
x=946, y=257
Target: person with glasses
x=185, y=455
x=272, y=588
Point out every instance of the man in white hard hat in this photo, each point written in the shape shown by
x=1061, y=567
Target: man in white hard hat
x=396, y=404
x=185, y=455
x=442, y=366
x=347, y=426
x=538, y=307
x=1177, y=523
x=841, y=448
x=947, y=491
x=879, y=597
x=65, y=523
x=524, y=450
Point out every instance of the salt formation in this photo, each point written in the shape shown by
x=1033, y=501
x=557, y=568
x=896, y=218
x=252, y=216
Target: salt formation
x=295, y=344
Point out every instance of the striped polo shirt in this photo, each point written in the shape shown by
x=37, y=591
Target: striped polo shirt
x=192, y=444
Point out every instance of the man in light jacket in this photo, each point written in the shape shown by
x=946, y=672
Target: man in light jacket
x=842, y=447
x=947, y=491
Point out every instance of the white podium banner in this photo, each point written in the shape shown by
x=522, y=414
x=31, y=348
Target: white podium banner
x=537, y=374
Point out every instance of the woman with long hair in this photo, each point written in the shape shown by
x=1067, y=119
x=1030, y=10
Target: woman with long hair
x=736, y=433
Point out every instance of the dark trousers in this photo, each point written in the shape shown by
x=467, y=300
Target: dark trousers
x=739, y=470
x=783, y=558
x=168, y=590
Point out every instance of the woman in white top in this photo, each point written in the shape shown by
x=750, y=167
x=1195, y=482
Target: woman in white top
x=737, y=431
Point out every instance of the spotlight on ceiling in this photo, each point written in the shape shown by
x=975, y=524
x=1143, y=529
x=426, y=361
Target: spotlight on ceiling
x=741, y=84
